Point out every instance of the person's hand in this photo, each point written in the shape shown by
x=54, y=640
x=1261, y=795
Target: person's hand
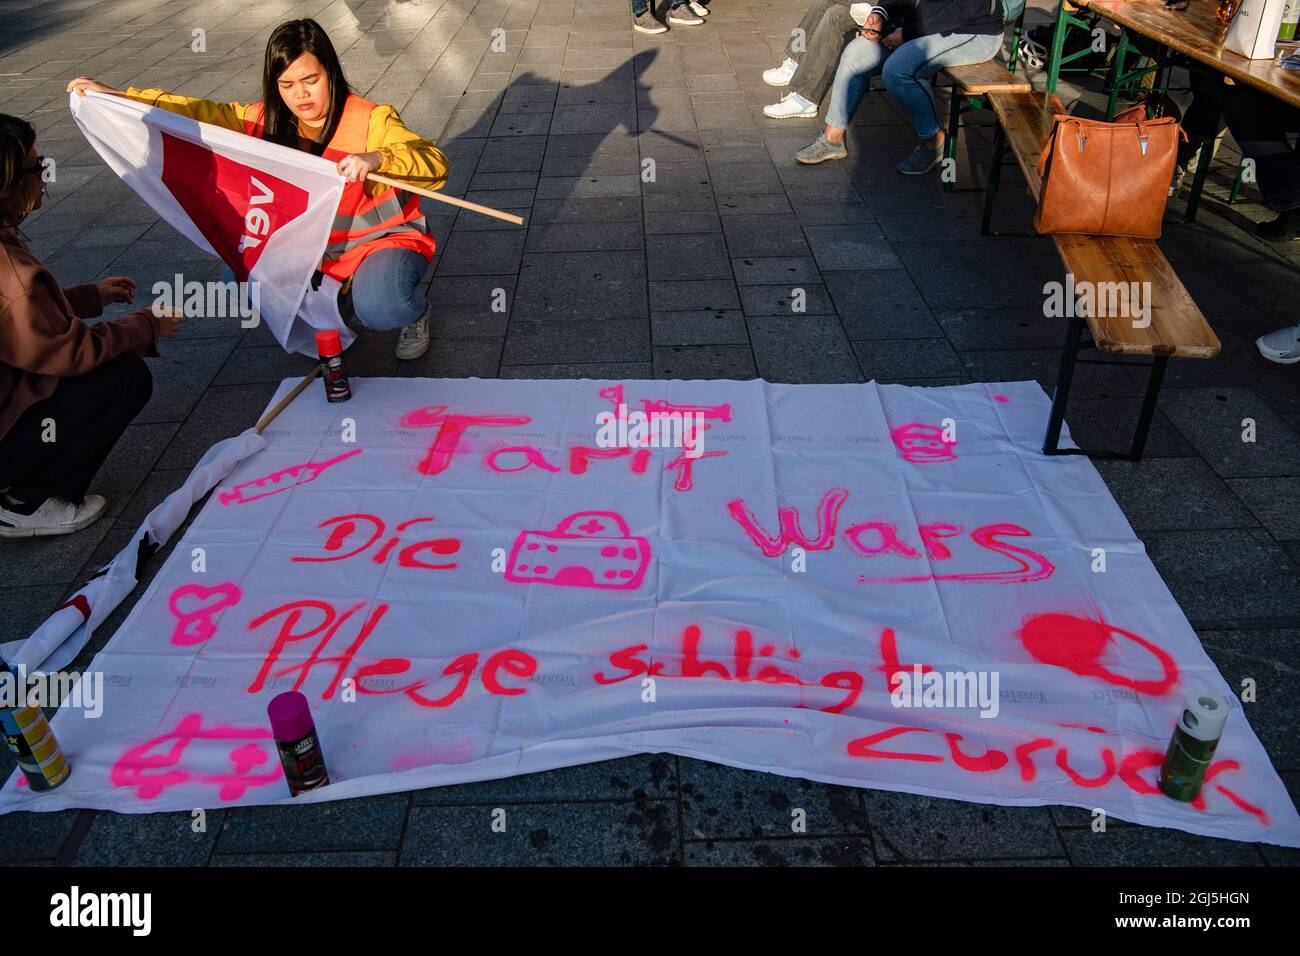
x=892, y=41
x=871, y=29
x=83, y=83
x=355, y=167
x=116, y=289
x=169, y=322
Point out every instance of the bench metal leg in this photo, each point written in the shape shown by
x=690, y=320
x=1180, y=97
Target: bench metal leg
x=1058, y=46
x=1148, y=406
x=954, y=125
x=995, y=177
x=1061, y=394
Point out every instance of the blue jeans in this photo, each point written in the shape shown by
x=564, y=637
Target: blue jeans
x=384, y=293
x=907, y=71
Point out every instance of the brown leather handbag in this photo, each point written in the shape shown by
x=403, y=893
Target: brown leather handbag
x=1107, y=179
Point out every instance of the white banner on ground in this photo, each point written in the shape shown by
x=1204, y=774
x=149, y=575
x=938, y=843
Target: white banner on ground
x=882, y=587
x=264, y=210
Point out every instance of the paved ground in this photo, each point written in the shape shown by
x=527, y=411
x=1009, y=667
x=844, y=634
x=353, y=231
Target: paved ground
x=684, y=277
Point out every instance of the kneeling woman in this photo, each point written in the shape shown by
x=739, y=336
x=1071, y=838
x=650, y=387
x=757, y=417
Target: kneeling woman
x=941, y=33
x=67, y=389
x=379, y=239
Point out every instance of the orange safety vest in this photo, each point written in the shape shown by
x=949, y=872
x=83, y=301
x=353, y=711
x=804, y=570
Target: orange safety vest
x=363, y=223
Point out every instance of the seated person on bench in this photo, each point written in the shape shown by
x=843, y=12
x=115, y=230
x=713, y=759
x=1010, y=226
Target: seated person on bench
x=1260, y=125
x=942, y=33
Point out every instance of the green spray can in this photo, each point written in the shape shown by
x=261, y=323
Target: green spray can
x=1196, y=735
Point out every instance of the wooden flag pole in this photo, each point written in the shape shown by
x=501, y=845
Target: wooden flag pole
x=452, y=200
x=284, y=402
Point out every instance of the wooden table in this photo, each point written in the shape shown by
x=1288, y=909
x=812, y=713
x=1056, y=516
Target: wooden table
x=1196, y=33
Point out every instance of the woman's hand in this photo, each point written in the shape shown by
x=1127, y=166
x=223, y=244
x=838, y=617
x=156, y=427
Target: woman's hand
x=892, y=41
x=116, y=289
x=83, y=83
x=169, y=322
x=355, y=167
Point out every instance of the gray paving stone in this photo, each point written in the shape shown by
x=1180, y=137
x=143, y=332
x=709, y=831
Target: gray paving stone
x=638, y=833
x=1150, y=846
x=704, y=361
x=1173, y=494
x=577, y=340
x=365, y=823
x=155, y=839
x=585, y=237
x=880, y=304
x=912, y=828
x=793, y=270
x=1270, y=658
x=784, y=300
x=1223, y=577
x=642, y=776
x=799, y=851
x=481, y=253
x=1017, y=327
x=581, y=286
x=907, y=358
x=459, y=357
x=687, y=257
x=724, y=802
x=764, y=236
x=1284, y=855
x=29, y=837
x=1212, y=418
x=604, y=370
x=223, y=412
x=802, y=350
x=954, y=275
x=312, y=860
x=690, y=296
x=713, y=327
x=683, y=221
x=182, y=369
x=1274, y=502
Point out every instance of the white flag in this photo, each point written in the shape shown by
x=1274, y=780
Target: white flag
x=263, y=209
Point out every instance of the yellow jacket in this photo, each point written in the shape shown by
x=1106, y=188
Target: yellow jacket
x=406, y=154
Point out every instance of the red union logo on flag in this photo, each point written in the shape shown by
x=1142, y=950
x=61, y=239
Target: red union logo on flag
x=236, y=207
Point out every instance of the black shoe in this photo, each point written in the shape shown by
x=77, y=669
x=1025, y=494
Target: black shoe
x=1282, y=229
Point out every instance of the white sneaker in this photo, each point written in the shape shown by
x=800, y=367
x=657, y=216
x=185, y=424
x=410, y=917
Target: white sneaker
x=54, y=516
x=792, y=106
x=699, y=9
x=781, y=75
x=414, y=339
x=1282, y=346
x=682, y=14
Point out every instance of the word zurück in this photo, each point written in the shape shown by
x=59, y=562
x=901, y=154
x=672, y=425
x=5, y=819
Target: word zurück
x=103, y=909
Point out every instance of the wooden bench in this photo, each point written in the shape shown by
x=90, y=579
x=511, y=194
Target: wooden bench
x=971, y=86
x=1174, y=325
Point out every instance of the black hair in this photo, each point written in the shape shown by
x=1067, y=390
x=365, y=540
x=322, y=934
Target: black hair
x=17, y=136
x=290, y=41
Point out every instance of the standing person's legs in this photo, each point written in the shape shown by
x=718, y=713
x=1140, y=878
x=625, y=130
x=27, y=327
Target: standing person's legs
x=385, y=296
x=85, y=418
x=908, y=72
x=1260, y=125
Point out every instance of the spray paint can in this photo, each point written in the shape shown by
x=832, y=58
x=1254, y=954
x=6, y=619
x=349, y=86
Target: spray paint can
x=329, y=346
x=296, y=740
x=29, y=738
x=1196, y=735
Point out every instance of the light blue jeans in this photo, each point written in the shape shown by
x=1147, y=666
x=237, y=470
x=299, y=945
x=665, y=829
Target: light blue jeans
x=384, y=294
x=384, y=289
x=907, y=71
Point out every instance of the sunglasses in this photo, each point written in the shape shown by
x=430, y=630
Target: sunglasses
x=1176, y=5
x=38, y=168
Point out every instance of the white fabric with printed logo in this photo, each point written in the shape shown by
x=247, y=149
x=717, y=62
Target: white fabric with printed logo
x=263, y=209
x=467, y=585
